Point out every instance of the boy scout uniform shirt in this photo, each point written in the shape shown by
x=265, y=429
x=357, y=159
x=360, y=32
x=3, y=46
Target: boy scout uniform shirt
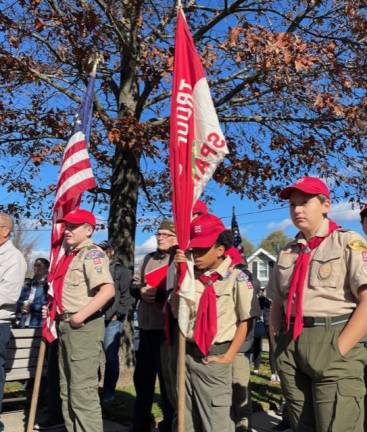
x=337, y=269
x=88, y=270
x=236, y=301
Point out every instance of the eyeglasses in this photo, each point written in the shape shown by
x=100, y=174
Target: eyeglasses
x=164, y=235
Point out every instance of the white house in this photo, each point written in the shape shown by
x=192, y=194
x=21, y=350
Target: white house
x=260, y=264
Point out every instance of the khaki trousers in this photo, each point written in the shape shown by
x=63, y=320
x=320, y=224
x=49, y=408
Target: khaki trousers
x=241, y=399
x=79, y=357
x=324, y=390
x=208, y=396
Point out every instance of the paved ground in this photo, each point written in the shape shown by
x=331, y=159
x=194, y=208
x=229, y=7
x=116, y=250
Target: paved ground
x=16, y=422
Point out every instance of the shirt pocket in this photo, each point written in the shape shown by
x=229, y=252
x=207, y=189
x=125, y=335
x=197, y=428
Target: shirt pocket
x=285, y=269
x=325, y=270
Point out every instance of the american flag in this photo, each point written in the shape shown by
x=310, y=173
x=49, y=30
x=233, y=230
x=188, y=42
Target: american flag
x=76, y=176
x=237, y=240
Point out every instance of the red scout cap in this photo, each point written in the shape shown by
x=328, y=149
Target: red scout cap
x=205, y=230
x=308, y=185
x=363, y=212
x=200, y=208
x=79, y=216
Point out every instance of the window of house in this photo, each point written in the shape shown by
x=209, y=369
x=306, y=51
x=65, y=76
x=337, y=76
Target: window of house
x=263, y=269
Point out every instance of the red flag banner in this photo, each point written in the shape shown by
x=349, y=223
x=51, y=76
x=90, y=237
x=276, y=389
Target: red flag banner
x=76, y=176
x=197, y=144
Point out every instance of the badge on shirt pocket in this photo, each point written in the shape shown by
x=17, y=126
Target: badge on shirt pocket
x=325, y=271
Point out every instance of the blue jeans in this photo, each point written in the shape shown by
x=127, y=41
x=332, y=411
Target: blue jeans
x=111, y=346
x=4, y=339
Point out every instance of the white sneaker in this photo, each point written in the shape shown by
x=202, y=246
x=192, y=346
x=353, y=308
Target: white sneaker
x=274, y=378
x=256, y=371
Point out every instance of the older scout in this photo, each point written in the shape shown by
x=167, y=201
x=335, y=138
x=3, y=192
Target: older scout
x=151, y=332
x=319, y=311
x=87, y=287
x=12, y=271
x=218, y=326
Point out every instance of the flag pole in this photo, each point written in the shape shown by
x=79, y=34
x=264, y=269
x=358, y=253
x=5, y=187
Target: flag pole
x=181, y=359
x=96, y=58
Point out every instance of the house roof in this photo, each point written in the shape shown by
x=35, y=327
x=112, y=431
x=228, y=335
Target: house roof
x=259, y=252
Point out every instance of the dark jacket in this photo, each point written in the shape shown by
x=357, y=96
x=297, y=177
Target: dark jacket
x=120, y=305
x=39, y=300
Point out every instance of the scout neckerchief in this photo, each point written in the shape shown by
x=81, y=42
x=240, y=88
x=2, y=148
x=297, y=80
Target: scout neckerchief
x=206, y=320
x=298, y=280
x=58, y=281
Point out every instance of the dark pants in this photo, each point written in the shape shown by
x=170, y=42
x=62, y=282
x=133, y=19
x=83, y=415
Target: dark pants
x=148, y=366
x=111, y=346
x=4, y=339
x=53, y=384
x=257, y=349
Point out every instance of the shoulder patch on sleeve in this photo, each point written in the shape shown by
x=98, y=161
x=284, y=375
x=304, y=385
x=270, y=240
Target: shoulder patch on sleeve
x=94, y=253
x=358, y=245
x=242, y=276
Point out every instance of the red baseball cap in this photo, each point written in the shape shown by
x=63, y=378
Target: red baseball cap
x=363, y=212
x=308, y=185
x=78, y=216
x=200, y=208
x=204, y=231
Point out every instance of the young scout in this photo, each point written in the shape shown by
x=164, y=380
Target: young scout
x=87, y=287
x=218, y=326
x=318, y=314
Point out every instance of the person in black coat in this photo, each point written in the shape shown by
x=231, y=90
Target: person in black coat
x=115, y=313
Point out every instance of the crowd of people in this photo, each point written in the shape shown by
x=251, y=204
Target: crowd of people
x=313, y=312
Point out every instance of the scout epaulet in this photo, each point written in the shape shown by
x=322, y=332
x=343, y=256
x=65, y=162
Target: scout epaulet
x=243, y=277
x=94, y=252
x=358, y=245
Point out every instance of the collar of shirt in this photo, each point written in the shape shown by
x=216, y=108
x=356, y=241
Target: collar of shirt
x=83, y=244
x=6, y=247
x=222, y=269
x=321, y=232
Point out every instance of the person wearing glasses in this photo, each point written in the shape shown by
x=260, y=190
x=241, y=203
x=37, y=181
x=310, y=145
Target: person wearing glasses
x=12, y=272
x=149, y=287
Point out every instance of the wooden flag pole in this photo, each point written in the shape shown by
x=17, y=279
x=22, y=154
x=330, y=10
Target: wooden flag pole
x=36, y=386
x=181, y=392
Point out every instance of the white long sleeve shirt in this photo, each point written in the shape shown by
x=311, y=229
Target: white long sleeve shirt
x=13, y=268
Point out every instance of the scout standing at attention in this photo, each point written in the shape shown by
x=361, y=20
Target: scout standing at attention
x=218, y=326
x=86, y=288
x=319, y=311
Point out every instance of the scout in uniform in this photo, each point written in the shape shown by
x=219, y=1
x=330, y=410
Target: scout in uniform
x=218, y=326
x=318, y=315
x=87, y=287
x=151, y=321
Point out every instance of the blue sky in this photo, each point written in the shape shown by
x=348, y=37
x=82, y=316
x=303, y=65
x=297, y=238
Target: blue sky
x=255, y=223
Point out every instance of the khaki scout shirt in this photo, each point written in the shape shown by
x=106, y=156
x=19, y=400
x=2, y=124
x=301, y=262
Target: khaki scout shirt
x=150, y=315
x=88, y=270
x=338, y=267
x=236, y=301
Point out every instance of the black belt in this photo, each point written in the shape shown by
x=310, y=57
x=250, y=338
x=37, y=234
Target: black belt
x=216, y=349
x=65, y=316
x=323, y=321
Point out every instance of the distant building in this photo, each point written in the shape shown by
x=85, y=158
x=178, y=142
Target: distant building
x=261, y=263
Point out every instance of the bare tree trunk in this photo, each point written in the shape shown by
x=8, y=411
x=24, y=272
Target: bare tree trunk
x=124, y=198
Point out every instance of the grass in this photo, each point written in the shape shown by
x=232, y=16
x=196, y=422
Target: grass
x=265, y=395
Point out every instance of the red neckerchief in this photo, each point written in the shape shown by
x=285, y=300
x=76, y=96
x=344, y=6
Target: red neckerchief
x=298, y=280
x=58, y=282
x=206, y=320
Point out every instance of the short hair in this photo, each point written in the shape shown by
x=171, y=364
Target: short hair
x=322, y=198
x=44, y=261
x=225, y=239
x=8, y=220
